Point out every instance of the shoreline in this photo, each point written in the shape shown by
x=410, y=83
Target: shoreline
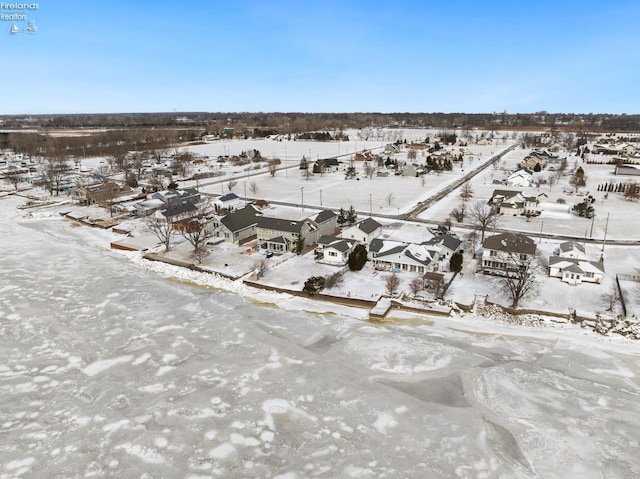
x=468, y=322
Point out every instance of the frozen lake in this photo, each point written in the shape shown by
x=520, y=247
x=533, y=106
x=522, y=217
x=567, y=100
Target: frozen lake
x=108, y=369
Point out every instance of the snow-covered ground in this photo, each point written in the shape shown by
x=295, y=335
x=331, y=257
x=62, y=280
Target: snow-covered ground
x=109, y=370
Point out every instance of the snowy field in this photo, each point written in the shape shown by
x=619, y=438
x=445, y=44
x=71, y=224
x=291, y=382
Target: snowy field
x=108, y=369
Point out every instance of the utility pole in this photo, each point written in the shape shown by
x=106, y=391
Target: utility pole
x=541, y=225
x=593, y=218
x=320, y=197
x=245, y=190
x=606, y=227
x=285, y=162
x=302, y=197
x=370, y=206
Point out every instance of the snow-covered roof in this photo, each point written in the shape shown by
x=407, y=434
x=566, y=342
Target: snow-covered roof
x=576, y=265
x=510, y=243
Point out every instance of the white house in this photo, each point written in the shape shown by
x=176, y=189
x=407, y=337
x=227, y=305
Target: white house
x=363, y=232
x=576, y=270
x=403, y=257
x=227, y=202
x=333, y=250
x=521, y=178
x=515, y=202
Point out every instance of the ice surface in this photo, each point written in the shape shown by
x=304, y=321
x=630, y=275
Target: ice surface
x=168, y=379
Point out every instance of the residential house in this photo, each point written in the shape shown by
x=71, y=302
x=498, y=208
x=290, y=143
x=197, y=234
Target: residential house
x=147, y=207
x=447, y=244
x=571, y=265
x=279, y=235
x=515, y=202
x=576, y=270
x=506, y=251
x=110, y=192
x=238, y=226
x=178, y=213
x=176, y=197
x=227, y=202
x=333, y=250
x=571, y=249
x=326, y=222
x=327, y=165
x=521, y=178
x=363, y=232
x=403, y=257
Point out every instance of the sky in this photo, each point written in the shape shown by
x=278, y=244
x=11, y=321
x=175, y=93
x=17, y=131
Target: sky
x=320, y=56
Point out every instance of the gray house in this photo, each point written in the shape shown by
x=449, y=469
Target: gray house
x=238, y=226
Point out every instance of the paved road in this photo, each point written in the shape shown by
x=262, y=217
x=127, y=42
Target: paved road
x=412, y=216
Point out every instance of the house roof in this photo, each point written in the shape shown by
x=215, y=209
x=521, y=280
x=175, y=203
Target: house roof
x=228, y=197
x=505, y=193
x=369, y=225
x=571, y=246
x=280, y=224
x=576, y=265
x=240, y=219
x=181, y=209
x=421, y=254
x=323, y=216
x=446, y=240
x=278, y=239
x=339, y=244
x=510, y=243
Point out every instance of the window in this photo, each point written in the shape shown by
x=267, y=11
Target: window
x=492, y=253
x=588, y=275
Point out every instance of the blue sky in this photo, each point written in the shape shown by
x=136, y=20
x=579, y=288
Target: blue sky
x=323, y=56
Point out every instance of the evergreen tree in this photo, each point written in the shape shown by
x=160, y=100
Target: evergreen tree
x=455, y=263
x=342, y=216
x=357, y=258
x=351, y=215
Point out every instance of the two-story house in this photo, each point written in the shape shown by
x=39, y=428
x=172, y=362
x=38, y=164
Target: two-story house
x=333, y=250
x=507, y=251
x=236, y=227
x=572, y=266
x=279, y=235
x=363, y=232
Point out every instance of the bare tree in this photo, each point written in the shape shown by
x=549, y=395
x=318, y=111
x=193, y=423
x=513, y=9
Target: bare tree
x=632, y=191
x=182, y=163
x=54, y=170
x=253, y=187
x=466, y=192
x=392, y=282
x=333, y=280
x=611, y=298
x=231, y=184
x=483, y=217
x=260, y=268
x=273, y=166
x=518, y=276
x=196, y=229
x=13, y=176
x=390, y=198
x=416, y=285
x=163, y=228
x=369, y=169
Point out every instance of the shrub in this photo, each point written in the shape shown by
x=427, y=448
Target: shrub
x=313, y=285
